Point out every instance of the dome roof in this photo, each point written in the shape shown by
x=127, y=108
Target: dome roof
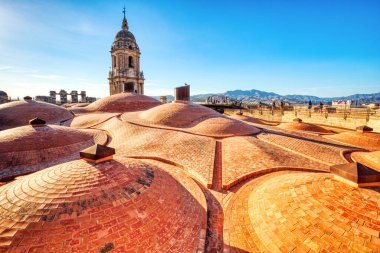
x=192, y=118
x=18, y=113
x=121, y=102
x=26, y=149
x=124, y=35
x=366, y=140
x=124, y=38
x=124, y=204
x=300, y=212
x=301, y=126
x=3, y=94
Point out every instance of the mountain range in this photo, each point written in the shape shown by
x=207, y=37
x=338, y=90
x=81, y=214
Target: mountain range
x=257, y=95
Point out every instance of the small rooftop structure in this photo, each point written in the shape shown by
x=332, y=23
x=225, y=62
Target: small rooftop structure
x=37, y=122
x=357, y=173
x=298, y=120
x=362, y=129
x=182, y=93
x=97, y=153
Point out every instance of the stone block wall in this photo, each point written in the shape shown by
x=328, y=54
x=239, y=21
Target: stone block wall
x=330, y=119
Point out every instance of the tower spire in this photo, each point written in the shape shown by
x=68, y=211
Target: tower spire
x=125, y=22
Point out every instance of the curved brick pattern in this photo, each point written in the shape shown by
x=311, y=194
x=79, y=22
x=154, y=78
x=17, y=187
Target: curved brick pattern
x=369, y=159
x=323, y=152
x=301, y=126
x=121, y=205
x=177, y=114
x=252, y=120
x=26, y=149
x=302, y=212
x=118, y=103
x=18, y=113
x=245, y=156
x=195, y=153
x=370, y=141
x=191, y=118
x=89, y=120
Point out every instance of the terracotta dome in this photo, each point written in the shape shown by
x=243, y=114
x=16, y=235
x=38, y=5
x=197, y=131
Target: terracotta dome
x=121, y=206
x=303, y=212
x=190, y=117
x=27, y=148
x=366, y=140
x=252, y=120
x=369, y=159
x=18, y=113
x=298, y=125
x=122, y=102
x=177, y=114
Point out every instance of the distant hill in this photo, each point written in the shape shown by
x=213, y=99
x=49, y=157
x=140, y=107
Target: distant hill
x=257, y=95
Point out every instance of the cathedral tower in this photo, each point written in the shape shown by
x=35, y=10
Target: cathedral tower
x=125, y=74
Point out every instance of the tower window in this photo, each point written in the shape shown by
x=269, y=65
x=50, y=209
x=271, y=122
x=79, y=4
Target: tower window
x=130, y=62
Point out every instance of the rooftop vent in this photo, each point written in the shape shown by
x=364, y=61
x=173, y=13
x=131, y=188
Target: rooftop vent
x=37, y=122
x=182, y=93
x=97, y=153
x=298, y=120
x=363, y=129
x=357, y=174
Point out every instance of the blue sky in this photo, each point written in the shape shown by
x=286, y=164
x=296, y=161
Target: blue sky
x=323, y=48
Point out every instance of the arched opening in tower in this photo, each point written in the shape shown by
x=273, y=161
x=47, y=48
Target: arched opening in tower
x=129, y=87
x=130, y=62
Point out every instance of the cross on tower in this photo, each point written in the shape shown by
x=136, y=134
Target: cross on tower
x=124, y=11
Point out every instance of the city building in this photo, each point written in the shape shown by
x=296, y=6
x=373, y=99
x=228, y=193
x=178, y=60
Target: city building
x=125, y=74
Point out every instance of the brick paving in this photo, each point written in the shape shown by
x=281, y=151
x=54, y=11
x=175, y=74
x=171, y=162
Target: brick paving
x=18, y=113
x=123, y=205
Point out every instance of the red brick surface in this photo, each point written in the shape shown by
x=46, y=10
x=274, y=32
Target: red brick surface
x=118, y=103
x=124, y=204
x=190, y=118
x=369, y=141
x=26, y=149
x=18, y=113
x=181, y=192
x=194, y=153
x=302, y=212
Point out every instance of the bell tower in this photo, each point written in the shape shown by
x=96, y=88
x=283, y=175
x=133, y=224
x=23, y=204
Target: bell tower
x=125, y=74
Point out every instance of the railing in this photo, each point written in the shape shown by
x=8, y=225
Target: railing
x=356, y=113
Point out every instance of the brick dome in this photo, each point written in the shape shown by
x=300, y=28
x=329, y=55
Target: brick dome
x=366, y=140
x=27, y=148
x=18, y=113
x=123, y=205
x=190, y=117
x=122, y=102
x=301, y=126
x=303, y=212
x=369, y=159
